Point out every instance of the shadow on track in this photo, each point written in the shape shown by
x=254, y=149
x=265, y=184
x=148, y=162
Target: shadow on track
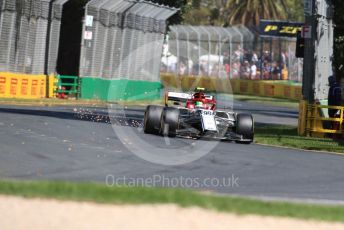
x=102, y=118
x=134, y=120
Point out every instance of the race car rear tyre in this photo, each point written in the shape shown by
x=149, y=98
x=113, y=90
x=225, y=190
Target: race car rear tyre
x=245, y=127
x=151, y=124
x=169, y=122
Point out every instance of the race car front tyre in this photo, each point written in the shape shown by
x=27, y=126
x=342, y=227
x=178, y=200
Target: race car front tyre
x=245, y=127
x=151, y=124
x=169, y=122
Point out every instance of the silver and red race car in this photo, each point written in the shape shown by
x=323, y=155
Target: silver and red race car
x=194, y=115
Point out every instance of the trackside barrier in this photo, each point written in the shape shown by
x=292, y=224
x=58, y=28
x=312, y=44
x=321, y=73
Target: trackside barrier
x=302, y=118
x=23, y=86
x=51, y=86
x=317, y=123
x=276, y=89
x=67, y=85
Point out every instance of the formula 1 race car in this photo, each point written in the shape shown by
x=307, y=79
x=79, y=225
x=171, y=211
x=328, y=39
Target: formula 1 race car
x=198, y=118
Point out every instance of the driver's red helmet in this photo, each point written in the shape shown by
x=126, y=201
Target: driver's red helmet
x=199, y=96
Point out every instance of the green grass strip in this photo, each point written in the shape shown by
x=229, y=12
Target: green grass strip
x=287, y=136
x=267, y=101
x=184, y=198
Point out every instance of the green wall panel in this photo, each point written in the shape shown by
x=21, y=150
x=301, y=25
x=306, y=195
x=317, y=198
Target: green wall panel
x=114, y=90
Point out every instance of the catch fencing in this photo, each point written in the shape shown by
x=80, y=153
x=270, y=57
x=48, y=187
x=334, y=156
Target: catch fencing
x=233, y=52
x=29, y=35
x=123, y=39
x=205, y=50
x=281, y=51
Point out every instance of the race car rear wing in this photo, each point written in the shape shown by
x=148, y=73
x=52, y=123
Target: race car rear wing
x=209, y=97
x=177, y=97
x=183, y=97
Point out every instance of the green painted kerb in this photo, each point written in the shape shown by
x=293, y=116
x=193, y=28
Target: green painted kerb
x=115, y=90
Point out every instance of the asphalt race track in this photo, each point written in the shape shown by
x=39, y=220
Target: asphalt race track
x=79, y=144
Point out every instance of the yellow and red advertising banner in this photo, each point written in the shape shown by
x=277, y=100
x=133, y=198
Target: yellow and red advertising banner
x=274, y=89
x=22, y=86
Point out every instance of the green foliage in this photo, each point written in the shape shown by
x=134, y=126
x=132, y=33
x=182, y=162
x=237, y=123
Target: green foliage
x=196, y=4
x=180, y=4
x=295, y=10
x=248, y=12
x=206, y=12
x=199, y=16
